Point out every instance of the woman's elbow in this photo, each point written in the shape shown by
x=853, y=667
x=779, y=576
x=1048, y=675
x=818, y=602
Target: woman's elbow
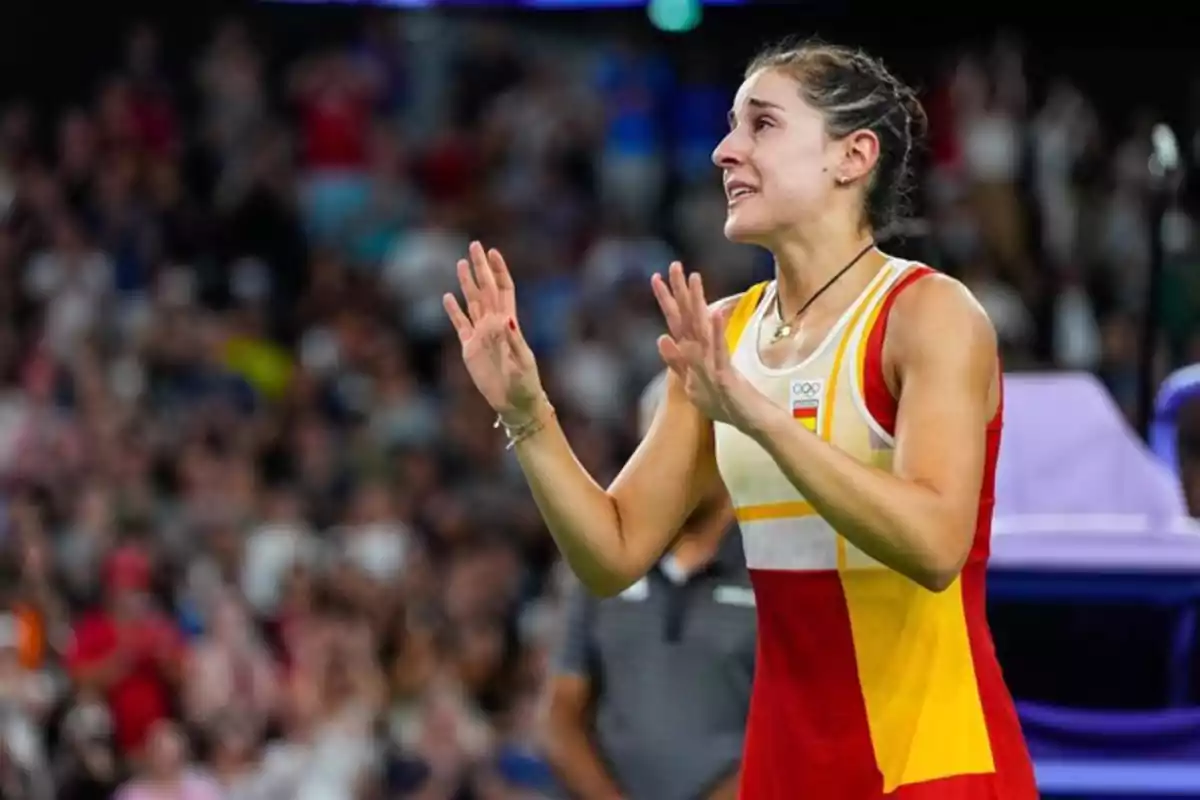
x=603, y=577
x=935, y=580
x=609, y=583
x=610, y=575
x=943, y=563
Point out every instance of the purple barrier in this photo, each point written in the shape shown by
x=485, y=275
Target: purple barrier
x=1068, y=453
x=1065, y=734
x=1174, y=551
x=1181, y=387
x=1077, y=490
x=1118, y=779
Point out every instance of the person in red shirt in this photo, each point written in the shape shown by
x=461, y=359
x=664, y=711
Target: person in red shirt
x=334, y=97
x=127, y=652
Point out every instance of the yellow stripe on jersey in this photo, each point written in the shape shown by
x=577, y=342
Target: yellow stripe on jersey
x=921, y=696
x=917, y=677
x=742, y=312
x=835, y=372
x=831, y=386
x=796, y=508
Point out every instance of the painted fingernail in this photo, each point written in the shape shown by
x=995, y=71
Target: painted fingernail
x=512, y=324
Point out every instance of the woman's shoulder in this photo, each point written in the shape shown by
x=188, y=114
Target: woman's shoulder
x=937, y=326
x=752, y=295
x=933, y=303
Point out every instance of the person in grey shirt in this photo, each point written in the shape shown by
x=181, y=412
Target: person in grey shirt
x=652, y=687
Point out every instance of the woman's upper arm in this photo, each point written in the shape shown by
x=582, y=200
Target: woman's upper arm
x=941, y=348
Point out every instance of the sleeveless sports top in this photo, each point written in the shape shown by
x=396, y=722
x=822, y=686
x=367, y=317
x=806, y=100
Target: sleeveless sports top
x=867, y=685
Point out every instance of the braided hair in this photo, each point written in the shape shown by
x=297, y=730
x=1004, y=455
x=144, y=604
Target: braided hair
x=857, y=92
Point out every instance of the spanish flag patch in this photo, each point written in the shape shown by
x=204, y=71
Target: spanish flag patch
x=805, y=401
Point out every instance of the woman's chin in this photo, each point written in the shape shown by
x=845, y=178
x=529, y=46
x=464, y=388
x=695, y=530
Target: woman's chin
x=743, y=230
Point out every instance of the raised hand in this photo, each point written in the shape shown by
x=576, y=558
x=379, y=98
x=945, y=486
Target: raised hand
x=495, y=353
x=695, y=348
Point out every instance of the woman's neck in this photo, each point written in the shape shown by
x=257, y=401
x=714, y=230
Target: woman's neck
x=804, y=266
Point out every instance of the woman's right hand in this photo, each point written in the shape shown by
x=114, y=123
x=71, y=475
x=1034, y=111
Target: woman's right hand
x=495, y=353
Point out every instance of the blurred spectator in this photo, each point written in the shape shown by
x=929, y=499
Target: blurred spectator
x=25, y=699
x=229, y=76
x=272, y=548
x=335, y=96
x=128, y=651
x=73, y=279
x=87, y=765
x=230, y=674
x=633, y=83
x=167, y=770
x=337, y=689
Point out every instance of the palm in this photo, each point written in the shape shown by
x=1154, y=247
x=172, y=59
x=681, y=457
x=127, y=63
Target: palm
x=493, y=366
x=496, y=356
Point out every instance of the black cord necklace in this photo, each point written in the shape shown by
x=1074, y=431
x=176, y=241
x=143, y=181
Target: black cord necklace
x=785, y=329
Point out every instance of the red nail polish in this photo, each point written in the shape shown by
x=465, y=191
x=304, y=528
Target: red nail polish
x=512, y=324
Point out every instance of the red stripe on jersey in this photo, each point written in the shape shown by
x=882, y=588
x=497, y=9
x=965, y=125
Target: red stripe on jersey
x=876, y=394
x=807, y=733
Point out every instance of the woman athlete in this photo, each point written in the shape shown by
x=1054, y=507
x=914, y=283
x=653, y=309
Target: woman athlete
x=852, y=408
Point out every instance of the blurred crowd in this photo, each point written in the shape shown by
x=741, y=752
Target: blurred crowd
x=259, y=537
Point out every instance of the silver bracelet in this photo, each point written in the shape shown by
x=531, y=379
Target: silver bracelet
x=520, y=433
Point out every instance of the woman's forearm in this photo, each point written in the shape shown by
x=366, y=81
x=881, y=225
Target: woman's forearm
x=897, y=522
x=581, y=516
x=610, y=538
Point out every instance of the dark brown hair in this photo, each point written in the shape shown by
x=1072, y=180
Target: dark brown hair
x=857, y=92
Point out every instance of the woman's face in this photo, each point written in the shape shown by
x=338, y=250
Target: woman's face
x=777, y=161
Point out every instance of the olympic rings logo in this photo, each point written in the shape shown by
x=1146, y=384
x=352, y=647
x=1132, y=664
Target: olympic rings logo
x=806, y=389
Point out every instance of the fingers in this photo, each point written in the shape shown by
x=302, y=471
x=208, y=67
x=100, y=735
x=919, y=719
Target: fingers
x=504, y=282
x=489, y=294
x=720, y=351
x=672, y=356
x=470, y=290
x=487, y=284
x=702, y=313
x=683, y=356
x=684, y=306
x=666, y=302
x=521, y=350
x=462, y=325
x=679, y=291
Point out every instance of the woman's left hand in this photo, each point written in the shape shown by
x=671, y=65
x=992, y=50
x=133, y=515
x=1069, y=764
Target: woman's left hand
x=695, y=348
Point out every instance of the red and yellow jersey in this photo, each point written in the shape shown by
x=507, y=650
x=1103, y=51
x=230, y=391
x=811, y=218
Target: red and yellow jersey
x=867, y=685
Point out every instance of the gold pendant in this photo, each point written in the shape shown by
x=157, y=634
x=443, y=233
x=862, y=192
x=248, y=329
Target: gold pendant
x=782, y=332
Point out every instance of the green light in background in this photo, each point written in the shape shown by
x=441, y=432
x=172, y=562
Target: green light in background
x=674, y=16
